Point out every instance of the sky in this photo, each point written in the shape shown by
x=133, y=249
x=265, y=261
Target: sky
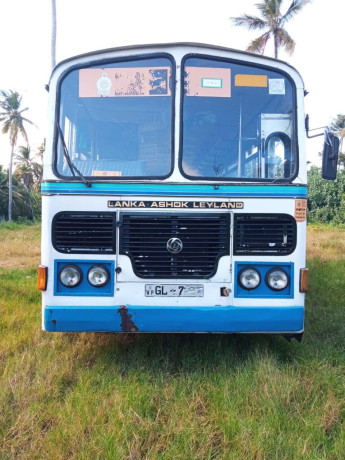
x=85, y=25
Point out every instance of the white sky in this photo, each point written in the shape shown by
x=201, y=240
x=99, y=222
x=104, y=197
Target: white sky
x=85, y=25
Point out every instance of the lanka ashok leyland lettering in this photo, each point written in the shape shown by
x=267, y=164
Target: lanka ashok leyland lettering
x=174, y=193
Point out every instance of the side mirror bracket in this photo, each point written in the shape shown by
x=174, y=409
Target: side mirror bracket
x=306, y=124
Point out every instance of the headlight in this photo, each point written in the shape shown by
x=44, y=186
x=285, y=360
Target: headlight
x=71, y=276
x=249, y=278
x=277, y=279
x=98, y=276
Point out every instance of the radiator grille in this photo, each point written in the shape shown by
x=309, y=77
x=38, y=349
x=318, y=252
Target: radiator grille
x=205, y=239
x=264, y=234
x=87, y=233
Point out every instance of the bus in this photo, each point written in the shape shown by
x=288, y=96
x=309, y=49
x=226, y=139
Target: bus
x=174, y=194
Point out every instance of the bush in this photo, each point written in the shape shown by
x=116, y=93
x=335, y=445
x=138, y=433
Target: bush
x=326, y=202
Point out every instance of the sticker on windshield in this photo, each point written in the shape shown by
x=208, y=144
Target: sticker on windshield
x=106, y=173
x=211, y=82
x=251, y=81
x=276, y=86
x=207, y=82
x=124, y=82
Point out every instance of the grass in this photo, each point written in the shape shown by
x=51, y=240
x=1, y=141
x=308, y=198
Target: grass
x=155, y=396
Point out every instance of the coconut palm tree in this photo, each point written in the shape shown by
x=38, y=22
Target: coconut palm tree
x=11, y=116
x=32, y=169
x=28, y=173
x=17, y=195
x=272, y=22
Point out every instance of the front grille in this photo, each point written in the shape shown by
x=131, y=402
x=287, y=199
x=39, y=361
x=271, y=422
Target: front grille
x=84, y=233
x=205, y=239
x=264, y=234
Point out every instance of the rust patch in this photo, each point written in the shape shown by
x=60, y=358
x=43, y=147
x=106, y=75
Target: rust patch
x=127, y=324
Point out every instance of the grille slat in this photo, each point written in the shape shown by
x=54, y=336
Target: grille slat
x=271, y=234
x=205, y=239
x=80, y=233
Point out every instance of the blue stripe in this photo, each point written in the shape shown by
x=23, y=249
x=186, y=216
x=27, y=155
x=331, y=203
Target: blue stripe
x=174, y=319
x=181, y=190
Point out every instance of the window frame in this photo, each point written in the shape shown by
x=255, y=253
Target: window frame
x=294, y=137
x=115, y=60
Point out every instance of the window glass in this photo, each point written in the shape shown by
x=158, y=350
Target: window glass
x=115, y=119
x=229, y=112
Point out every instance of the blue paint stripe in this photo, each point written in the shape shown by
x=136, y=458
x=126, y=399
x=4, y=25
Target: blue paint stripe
x=175, y=319
x=181, y=190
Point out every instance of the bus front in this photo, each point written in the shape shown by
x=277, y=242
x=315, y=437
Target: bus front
x=174, y=193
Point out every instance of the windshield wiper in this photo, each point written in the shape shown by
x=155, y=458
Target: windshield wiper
x=71, y=166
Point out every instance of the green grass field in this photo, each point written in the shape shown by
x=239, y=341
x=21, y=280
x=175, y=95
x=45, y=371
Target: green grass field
x=134, y=397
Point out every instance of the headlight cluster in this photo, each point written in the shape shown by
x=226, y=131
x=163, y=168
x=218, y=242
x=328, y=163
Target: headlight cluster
x=276, y=279
x=71, y=276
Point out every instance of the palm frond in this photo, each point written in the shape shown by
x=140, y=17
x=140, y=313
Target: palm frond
x=258, y=45
x=295, y=7
x=284, y=40
x=269, y=9
x=251, y=22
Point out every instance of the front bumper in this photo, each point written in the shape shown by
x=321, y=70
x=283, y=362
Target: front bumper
x=133, y=318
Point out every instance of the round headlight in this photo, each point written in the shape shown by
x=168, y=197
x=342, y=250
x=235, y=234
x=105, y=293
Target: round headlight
x=98, y=276
x=249, y=278
x=277, y=279
x=71, y=276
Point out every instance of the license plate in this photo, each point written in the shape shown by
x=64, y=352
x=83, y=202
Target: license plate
x=174, y=290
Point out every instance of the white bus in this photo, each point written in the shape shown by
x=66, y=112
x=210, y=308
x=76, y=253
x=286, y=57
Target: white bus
x=174, y=193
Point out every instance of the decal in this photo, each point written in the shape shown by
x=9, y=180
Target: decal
x=207, y=82
x=276, y=86
x=106, y=173
x=104, y=85
x=176, y=204
x=301, y=210
x=124, y=82
x=211, y=82
x=255, y=81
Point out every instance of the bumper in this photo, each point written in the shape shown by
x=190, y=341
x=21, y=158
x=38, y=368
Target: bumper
x=174, y=319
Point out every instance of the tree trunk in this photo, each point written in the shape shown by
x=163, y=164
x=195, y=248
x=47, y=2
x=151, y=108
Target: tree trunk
x=10, y=191
x=53, y=36
x=275, y=45
x=30, y=202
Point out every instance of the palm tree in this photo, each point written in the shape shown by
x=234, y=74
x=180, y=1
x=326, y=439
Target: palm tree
x=272, y=21
x=32, y=169
x=11, y=116
x=17, y=195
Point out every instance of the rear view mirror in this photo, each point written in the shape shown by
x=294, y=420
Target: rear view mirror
x=330, y=156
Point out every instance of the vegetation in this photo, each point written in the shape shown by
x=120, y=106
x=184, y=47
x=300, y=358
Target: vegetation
x=272, y=21
x=26, y=199
x=326, y=203
x=155, y=396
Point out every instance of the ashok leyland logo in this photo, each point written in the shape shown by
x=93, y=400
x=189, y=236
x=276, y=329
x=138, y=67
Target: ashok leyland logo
x=174, y=245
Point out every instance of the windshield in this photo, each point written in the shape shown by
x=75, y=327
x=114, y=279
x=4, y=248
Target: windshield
x=116, y=120
x=238, y=121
